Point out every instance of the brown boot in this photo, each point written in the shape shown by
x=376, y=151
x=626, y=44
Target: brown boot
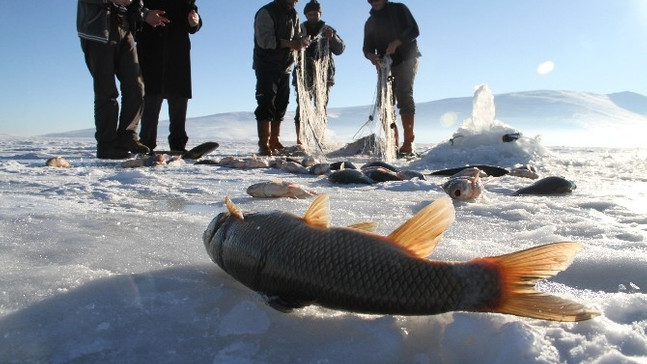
x=275, y=144
x=407, y=129
x=263, y=127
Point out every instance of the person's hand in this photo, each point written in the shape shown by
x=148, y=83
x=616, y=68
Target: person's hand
x=296, y=44
x=327, y=32
x=156, y=18
x=375, y=59
x=194, y=19
x=393, y=46
x=122, y=2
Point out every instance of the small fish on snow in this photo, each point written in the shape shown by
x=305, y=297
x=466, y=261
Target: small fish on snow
x=279, y=189
x=464, y=188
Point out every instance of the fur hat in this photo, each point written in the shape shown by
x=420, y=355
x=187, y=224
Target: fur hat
x=313, y=5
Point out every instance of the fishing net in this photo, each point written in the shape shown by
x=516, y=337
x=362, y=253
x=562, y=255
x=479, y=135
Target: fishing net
x=379, y=134
x=312, y=94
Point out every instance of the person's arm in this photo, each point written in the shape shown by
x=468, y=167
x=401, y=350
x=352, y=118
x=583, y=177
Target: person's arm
x=369, y=48
x=410, y=29
x=337, y=45
x=264, y=31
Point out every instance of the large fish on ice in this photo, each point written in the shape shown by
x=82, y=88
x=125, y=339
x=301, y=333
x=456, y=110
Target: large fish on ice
x=296, y=261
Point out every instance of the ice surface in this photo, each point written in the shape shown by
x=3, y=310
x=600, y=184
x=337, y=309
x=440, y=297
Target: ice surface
x=104, y=264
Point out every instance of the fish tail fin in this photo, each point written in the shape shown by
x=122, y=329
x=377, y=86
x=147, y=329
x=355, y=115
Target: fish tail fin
x=519, y=271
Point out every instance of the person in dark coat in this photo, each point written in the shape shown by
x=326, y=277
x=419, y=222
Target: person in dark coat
x=106, y=30
x=164, y=55
x=392, y=31
x=325, y=43
x=276, y=35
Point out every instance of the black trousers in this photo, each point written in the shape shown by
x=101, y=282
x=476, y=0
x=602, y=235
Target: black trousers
x=177, y=107
x=106, y=61
x=272, y=95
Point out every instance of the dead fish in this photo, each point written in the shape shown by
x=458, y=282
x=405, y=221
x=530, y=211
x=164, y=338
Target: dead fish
x=381, y=174
x=296, y=261
x=350, y=176
x=382, y=164
x=409, y=175
x=320, y=168
x=279, y=189
x=337, y=166
x=464, y=188
x=58, y=162
x=291, y=167
x=145, y=161
x=245, y=163
x=548, y=186
x=470, y=172
x=493, y=171
x=525, y=171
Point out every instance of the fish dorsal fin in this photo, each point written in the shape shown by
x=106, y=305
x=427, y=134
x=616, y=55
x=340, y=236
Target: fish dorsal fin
x=318, y=213
x=233, y=209
x=364, y=226
x=420, y=234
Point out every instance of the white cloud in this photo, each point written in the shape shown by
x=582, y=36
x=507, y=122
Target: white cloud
x=546, y=68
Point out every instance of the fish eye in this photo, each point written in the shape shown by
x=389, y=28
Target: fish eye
x=457, y=193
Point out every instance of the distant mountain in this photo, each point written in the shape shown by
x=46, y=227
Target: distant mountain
x=561, y=118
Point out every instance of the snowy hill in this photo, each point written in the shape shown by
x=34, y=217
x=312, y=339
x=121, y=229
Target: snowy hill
x=568, y=118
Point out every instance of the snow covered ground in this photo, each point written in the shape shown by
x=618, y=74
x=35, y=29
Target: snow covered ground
x=100, y=263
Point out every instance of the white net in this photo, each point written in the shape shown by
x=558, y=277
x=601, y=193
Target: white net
x=384, y=143
x=312, y=93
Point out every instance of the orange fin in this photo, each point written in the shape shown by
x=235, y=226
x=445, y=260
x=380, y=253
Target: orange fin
x=318, y=213
x=233, y=209
x=365, y=226
x=521, y=270
x=420, y=234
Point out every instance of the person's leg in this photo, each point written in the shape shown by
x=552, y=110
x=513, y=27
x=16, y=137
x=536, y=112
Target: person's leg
x=404, y=77
x=99, y=58
x=150, y=120
x=281, y=102
x=132, y=94
x=266, y=88
x=177, y=107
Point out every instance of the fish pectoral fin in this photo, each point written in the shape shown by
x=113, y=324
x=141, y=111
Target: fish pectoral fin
x=369, y=226
x=233, y=209
x=285, y=304
x=318, y=213
x=420, y=234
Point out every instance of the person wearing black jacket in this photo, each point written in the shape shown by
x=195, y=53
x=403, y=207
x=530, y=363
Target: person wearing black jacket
x=391, y=30
x=164, y=56
x=105, y=29
x=325, y=42
x=276, y=35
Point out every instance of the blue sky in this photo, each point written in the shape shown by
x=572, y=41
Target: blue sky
x=596, y=46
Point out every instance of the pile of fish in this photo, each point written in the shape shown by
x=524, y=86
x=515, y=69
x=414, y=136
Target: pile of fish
x=466, y=184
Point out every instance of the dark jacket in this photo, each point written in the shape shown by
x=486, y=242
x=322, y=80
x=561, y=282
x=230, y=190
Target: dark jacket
x=316, y=50
x=273, y=22
x=393, y=21
x=165, y=52
x=95, y=18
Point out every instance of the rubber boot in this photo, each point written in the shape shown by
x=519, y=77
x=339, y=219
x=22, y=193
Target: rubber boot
x=275, y=132
x=263, y=127
x=407, y=129
x=396, y=135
